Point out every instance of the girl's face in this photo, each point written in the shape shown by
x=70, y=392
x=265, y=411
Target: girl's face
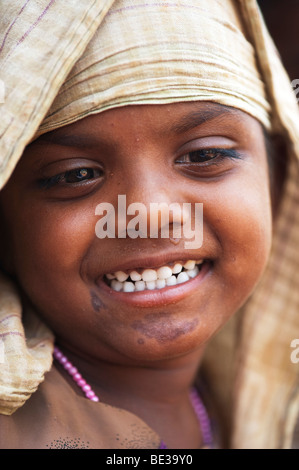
x=196, y=152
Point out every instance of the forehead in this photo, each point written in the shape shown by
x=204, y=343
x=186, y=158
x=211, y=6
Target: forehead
x=168, y=119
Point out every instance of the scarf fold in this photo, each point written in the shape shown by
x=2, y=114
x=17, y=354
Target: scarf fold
x=25, y=357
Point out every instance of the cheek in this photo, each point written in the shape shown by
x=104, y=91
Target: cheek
x=51, y=248
x=242, y=223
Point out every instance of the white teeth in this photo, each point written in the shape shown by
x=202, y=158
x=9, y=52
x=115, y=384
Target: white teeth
x=193, y=272
x=177, y=268
x=171, y=281
x=151, y=279
x=140, y=285
x=189, y=265
x=182, y=277
x=160, y=283
x=164, y=272
x=121, y=276
x=151, y=285
x=149, y=275
x=116, y=285
x=110, y=276
x=135, y=276
x=128, y=287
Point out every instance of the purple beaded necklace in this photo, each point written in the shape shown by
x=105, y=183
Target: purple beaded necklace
x=198, y=406
x=203, y=420
x=73, y=372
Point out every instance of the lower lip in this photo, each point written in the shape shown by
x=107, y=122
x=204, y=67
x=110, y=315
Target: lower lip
x=157, y=297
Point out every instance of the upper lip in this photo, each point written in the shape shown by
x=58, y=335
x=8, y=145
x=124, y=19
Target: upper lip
x=154, y=262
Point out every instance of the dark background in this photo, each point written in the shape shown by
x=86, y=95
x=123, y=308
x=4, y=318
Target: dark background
x=282, y=19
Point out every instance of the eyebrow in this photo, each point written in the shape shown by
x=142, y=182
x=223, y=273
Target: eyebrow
x=69, y=140
x=200, y=117
x=188, y=122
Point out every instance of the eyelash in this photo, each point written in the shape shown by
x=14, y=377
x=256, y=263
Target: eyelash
x=219, y=156
x=47, y=183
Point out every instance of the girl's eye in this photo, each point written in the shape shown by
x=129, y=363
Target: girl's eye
x=71, y=177
x=75, y=176
x=208, y=156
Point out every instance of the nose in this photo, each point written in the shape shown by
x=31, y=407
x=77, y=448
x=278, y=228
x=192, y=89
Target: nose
x=149, y=207
x=152, y=220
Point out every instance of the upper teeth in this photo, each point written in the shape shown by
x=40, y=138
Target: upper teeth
x=153, y=278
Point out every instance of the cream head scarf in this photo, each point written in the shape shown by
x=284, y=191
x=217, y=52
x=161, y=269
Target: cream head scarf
x=59, y=64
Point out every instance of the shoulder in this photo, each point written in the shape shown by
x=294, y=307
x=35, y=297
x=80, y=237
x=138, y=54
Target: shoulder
x=57, y=416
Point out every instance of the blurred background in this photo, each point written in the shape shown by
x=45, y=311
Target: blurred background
x=282, y=19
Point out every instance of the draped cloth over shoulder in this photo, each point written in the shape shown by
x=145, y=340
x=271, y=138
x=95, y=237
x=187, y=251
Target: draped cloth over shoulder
x=39, y=44
x=59, y=64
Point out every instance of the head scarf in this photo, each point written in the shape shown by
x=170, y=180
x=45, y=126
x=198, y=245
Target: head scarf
x=59, y=64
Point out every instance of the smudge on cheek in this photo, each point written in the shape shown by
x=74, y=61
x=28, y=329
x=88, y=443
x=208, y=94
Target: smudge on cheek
x=162, y=327
x=96, y=302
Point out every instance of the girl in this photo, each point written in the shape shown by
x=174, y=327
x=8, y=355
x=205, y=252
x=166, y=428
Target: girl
x=163, y=102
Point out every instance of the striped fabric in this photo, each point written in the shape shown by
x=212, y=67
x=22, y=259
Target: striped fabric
x=127, y=62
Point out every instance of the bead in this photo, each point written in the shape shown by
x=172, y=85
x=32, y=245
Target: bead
x=77, y=377
x=202, y=417
x=57, y=354
x=68, y=365
x=73, y=372
x=81, y=382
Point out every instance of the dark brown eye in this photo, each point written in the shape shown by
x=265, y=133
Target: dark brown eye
x=207, y=155
x=82, y=174
x=71, y=177
x=202, y=156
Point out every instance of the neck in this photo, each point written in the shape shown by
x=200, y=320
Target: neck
x=164, y=382
x=158, y=393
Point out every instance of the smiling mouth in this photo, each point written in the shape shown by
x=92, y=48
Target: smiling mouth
x=138, y=280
